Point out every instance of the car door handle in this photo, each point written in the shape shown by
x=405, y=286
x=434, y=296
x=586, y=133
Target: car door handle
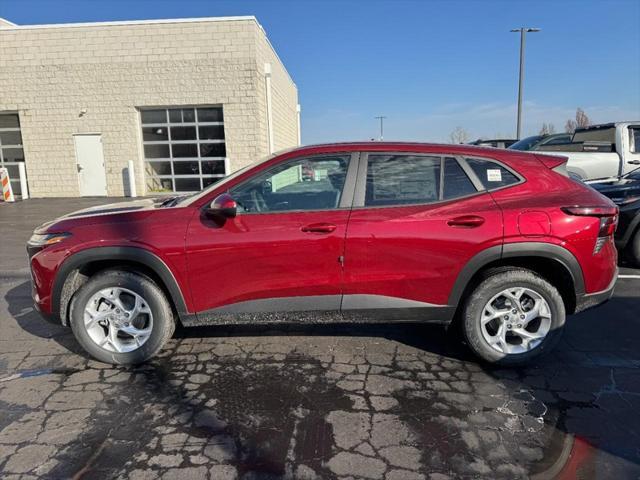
x=466, y=221
x=319, y=228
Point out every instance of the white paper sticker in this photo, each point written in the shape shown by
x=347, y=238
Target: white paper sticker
x=494, y=175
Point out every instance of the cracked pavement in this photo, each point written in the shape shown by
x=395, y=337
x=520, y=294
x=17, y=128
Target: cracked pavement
x=316, y=402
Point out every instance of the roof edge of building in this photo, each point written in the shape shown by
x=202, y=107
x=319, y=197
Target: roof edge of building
x=13, y=26
x=4, y=23
x=264, y=32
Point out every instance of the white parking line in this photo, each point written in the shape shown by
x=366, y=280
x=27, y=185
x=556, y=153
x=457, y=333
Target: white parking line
x=628, y=276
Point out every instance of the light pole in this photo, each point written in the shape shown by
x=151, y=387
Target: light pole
x=523, y=33
x=381, y=118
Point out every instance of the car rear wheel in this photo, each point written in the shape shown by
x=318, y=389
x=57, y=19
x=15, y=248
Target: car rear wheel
x=121, y=317
x=513, y=317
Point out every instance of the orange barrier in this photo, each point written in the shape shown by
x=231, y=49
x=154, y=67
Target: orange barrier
x=7, y=191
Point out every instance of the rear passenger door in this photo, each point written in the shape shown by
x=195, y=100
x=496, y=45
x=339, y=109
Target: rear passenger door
x=417, y=220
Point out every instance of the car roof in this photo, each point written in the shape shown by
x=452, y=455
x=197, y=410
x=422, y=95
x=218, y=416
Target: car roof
x=390, y=146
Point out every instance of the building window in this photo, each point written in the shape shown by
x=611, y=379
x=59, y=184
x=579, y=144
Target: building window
x=184, y=148
x=11, y=152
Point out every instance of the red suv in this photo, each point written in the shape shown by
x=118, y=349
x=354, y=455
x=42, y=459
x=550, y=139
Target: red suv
x=502, y=243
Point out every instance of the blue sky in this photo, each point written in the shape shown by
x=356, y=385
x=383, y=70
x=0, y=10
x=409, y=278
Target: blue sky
x=429, y=66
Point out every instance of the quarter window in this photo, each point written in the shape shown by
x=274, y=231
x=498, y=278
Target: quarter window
x=456, y=182
x=402, y=180
x=11, y=151
x=184, y=148
x=491, y=174
x=302, y=184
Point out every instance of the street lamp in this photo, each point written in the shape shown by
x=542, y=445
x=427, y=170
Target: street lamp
x=381, y=118
x=523, y=32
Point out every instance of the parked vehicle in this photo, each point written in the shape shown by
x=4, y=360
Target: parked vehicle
x=625, y=192
x=538, y=142
x=601, y=151
x=496, y=143
x=500, y=242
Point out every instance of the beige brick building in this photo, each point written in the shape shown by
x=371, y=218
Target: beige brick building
x=187, y=101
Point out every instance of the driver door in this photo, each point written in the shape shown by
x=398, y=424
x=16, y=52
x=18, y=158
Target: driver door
x=283, y=251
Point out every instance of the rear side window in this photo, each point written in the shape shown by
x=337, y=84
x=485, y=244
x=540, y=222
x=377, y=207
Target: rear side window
x=402, y=180
x=456, y=182
x=491, y=174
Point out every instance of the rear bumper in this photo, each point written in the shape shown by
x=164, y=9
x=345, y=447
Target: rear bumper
x=589, y=300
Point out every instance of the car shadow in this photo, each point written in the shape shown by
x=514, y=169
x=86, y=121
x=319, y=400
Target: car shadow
x=429, y=337
x=20, y=307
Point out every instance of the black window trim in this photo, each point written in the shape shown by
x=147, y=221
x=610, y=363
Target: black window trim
x=470, y=173
x=361, y=182
x=347, y=194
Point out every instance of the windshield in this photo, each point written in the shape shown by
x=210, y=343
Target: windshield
x=558, y=139
x=525, y=143
x=633, y=174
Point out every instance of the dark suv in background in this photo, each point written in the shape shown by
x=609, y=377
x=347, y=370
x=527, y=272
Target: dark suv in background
x=501, y=242
x=624, y=191
x=537, y=142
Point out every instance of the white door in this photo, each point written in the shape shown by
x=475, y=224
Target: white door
x=90, y=164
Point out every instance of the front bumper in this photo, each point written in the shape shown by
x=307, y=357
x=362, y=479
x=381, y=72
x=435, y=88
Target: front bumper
x=586, y=301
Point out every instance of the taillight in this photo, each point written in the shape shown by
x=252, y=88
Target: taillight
x=591, y=211
x=608, y=222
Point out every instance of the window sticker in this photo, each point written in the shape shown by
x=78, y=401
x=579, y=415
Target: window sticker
x=494, y=175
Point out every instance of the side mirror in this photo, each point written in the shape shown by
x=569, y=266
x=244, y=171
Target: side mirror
x=223, y=206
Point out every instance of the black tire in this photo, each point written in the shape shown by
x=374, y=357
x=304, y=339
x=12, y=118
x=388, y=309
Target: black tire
x=163, y=320
x=492, y=285
x=634, y=248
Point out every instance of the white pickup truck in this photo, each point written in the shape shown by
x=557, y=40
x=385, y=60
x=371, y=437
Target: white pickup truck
x=601, y=151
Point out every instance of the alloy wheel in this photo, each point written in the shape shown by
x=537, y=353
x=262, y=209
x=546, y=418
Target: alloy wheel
x=118, y=320
x=516, y=320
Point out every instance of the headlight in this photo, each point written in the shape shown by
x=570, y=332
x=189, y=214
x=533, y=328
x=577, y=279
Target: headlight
x=42, y=240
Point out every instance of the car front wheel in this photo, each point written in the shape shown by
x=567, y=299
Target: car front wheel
x=513, y=317
x=121, y=317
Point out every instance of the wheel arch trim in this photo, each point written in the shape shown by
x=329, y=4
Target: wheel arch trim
x=514, y=250
x=132, y=254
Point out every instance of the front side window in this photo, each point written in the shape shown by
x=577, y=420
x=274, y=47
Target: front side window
x=184, y=148
x=314, y=183
x=402, y=180
x=491, y=174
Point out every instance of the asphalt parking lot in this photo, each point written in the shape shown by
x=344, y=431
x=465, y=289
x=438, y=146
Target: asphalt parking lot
x=304, y=402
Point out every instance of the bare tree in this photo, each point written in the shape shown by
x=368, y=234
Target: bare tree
x=581, y=121
x=459, y=135
x=547, y=129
